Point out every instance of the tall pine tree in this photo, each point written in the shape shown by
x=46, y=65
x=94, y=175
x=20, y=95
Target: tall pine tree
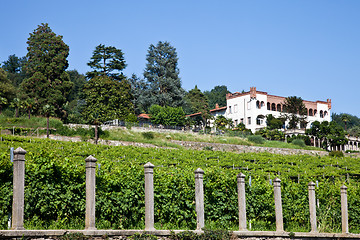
x=162, y=74
x=49, y=83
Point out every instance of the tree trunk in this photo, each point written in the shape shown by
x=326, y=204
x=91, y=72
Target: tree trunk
x=29, y=112
x=16, y=112
x=96, y=134
x=47, y=125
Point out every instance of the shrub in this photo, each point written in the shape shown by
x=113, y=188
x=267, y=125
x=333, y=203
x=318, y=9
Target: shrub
x=336, y=154
x=298, y=142
x=256, y=139
x=148, y=135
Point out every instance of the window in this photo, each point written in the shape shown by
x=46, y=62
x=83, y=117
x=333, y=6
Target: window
x=321, y=114
x=310, y=112
x=257, y=104
x=268, y=106
x=235, y=108
x=230, y=109
x=249, y=120
x=242, y=120
x=273, y=107
x=249, y=105
x=278, y=107
x=236, y=122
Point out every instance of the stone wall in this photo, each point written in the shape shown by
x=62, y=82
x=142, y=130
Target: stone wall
x=244, y=149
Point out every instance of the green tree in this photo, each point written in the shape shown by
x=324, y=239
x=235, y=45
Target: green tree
x=295, y=111
x=330, y=134
x=14, y=68
x=108, y=61
x=139, y=90
x=106, y=99
x=167, y=116
x=345, y=118
x=217, y=95
x=273, y=122
x=199, y=104
x=162, y=75
x=49, y=83
x=223, y=123
x=7, y=90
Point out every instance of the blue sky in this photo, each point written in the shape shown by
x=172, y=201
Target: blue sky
x=306, y=48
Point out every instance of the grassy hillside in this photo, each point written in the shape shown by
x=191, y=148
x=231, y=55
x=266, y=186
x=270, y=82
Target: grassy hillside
x=24, y=126
x=55, y=191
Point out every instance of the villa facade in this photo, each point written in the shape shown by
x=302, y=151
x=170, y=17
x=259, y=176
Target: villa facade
x=251, y=108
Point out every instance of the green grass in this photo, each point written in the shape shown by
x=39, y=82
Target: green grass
x=24, y=122
x=158, y=139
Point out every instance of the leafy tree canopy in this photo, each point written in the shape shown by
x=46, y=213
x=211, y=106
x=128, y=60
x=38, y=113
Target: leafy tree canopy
x=107, y=61
x=167, y=116
x=7, y=90
x=106, y=99
x=345, y=118
x=217, y=95
x=162, y=74
x=222, y=122
x=273, y=122
x=330, y=133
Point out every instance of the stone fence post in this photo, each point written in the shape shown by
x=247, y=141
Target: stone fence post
x=90, y=164
x=149, y=196
x=344, y=209
x=199, y=199
x=18, y=189
x=278, y=205
x=241, y=201
x=312, y=206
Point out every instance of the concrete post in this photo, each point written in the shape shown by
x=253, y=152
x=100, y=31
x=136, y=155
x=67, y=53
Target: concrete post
x=90, y=164
x=18, y=189
x=278, y=205
x=199, y=199
x=241, y=201
x=344, y=209
x=149, y=197
x=312, y=206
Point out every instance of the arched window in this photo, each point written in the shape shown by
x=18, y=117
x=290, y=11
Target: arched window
x=307, y=113
x=273, y=108
x=257, y=104
x=283, y=108
x=262, y=104
x=268, y=106
x=325, y=113
x=321, y=114
x=310, y=112
x=315, y=112
x=260, y=120
x=278, y=107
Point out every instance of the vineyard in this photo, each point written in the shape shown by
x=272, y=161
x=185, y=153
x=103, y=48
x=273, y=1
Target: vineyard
x=55, y=187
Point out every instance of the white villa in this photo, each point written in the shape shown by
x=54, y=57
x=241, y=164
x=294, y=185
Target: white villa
x=252, y=107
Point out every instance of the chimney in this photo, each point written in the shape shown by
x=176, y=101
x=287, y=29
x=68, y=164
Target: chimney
x=252, y=92
x=329, y=103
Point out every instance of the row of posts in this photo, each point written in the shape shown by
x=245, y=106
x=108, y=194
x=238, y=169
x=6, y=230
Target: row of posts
x=18, y=198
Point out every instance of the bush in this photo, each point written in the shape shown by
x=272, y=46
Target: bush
x=298, y=142
x=148, y=135
x=256, y=139
x=336, y=154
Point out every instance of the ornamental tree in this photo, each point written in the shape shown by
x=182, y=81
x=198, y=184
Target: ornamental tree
x=49, y=83
x=107, y=61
